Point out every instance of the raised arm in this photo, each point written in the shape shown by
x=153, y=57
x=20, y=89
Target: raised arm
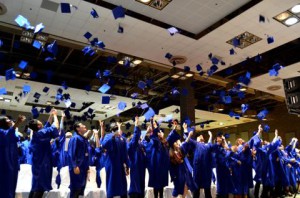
x=54, y=115
x=20, y=119
x=61, y=125
x=96, y=133
x=119, y=124
x=210, y=137
x=276, y=136
x=102, y=131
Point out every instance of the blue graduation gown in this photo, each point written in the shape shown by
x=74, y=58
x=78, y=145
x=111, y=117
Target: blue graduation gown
x=79, y=157
x=26, y=153
x=9, y=164
x=137, y=163
x=116, y=151
x=203, y=163
x=100, y=163
x=42, y=158
x=158, y=162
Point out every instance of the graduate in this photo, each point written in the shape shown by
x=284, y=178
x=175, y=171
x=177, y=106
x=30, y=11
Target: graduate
x=9, y=164
x=137, y=163
x=41, y=154
x=180, y=167
x=117, y=165
x=99, y=153
x=158, y=159
x=202, y=164
x=79, y=161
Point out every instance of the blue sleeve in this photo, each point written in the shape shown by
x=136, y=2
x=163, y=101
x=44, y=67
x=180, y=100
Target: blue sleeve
x=135, y=139
x=10, y=133
x=193, y=144
x=47, y=124
x=47, y=133
x=107, y=142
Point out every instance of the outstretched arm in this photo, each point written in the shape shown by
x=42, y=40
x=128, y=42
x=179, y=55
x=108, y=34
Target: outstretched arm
x=20, y=119
x=210, y=137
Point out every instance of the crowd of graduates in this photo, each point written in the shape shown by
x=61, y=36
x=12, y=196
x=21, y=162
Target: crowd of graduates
x=188, y=158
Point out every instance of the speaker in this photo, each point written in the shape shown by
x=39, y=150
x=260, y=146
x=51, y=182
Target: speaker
x=292, y=94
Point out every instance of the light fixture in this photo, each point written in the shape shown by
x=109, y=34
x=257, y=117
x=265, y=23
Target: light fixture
x=121, y=62
x=295, y=9
x=291, y=21
x=137, y=61
x=243, y=89
x=175, y=76
x=244, y=40
x=183, y=78
x=289, y=17
x=1, y=98
x=145, y=1
x=189, y=75
x=7, y=100
x=221, y=123
x=49, y=103
x=157, y=4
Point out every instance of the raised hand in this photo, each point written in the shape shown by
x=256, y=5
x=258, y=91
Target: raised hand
x=21, y=118
x=101, y=123
x=209, y=133
x=119, y=124
x=136, y=121
x=53, y=112
x=63, y=114
x=184, y=126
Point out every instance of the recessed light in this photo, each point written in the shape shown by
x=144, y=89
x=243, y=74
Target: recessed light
x=182, y=78
x=283, y=16
x=7, y=100
x=295, y=9
x=121, y=62
x=49, y=103
x=220, y=109
x=189, y=75
x=1, y=98
x=137, y=61
x=221, y=123
x=180, y=73
x=243, y=89
x=145, y=1
x=291, y=21
x=175, y=76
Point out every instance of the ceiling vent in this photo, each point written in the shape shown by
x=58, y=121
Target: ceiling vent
x=178, y=59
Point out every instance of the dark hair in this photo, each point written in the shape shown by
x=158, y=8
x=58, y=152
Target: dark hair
x=114, y=129
x=33, y=124
x=3, y=122
x=76, y=125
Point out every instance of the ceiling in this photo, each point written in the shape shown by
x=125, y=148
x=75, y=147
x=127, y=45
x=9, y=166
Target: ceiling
x=150, y=42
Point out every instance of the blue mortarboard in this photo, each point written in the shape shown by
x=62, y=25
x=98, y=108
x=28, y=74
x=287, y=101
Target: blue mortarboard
x=87, y=88
x=35, y=113
x=227, y=135
x=223, y=63
x=94, y=13
x=198, y=67
x=172, y=30
x=59, y=90
x=126, y=63
x=90, y=110
x=210, y=55
x=3, y=91
x=100, y=44
x=56, y=102
x=215, y=61
x=10, y=74
x=48, y=109
x=52, y=48
x=273, y=72
x=270, y=39
x=149, y=82
x=73, y=105
x=266, y=128
x=65, y=7
x=173, y=137
x=67, y=102
x=23, y=64
x=261, y=18
x=149, y=114
x=37, y=44
x=241, y=95
x=262, y=114
x=120, y=29
x=134, y=95
x=88, y=50
x=88, y=35
x=236, y=42
x=144, y=105
x=38, y=28
x=244, y=107
x=106, y=73
x=168, y=56
x=142, y=84
x=227, y=99
x=104, y=88
x=48, y=59
x=245, y=79
x=127, y=125
x=3, y=112
x=105, y=99
x=186, y=68
x=37, y=95
x=118, y=12
x=188, y=121
x=231, y=114
x=212, y=70
x=175, y=91
x=26, y=88
x=122, y=105
x=231, y=51
x=46, y=89
x=64, y=85
x=1, y=43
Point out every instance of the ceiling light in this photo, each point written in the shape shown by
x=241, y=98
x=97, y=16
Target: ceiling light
x=175, y=76
x=7, y=100
x=221, y=123
x=183, y=78
x=180, y=73
x=17, y=75
x=49, y=103
x=220, y=109
x=121, y=62
x=137, y=61
x=243, y=89
x=1, y=98
x=145, y=1
x=189, y=75
x=283, y=16
x=291, y=21
x=295, y=9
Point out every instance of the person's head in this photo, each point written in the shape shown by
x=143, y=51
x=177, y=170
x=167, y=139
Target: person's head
x=35, y=125
x=219, y=139
x=200, y=138
x=5, y=122
x=176, y=144
x=68, y=135
x=234, y=148
x=80, y=128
